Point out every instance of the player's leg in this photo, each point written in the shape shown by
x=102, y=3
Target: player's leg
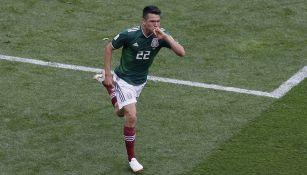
x=127, y=95
x=130, y=135
x=111, y=90
x=119, y=112
x=129, y=129
x=130, y=115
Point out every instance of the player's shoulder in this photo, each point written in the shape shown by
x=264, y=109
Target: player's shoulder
x=166, y=32
x=131, y=32
x=133, y=29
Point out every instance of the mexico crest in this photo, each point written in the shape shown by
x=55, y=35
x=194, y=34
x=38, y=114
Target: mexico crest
x=155, y=42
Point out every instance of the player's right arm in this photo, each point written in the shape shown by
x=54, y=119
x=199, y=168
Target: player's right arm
x=117, y=42
x=107, y=64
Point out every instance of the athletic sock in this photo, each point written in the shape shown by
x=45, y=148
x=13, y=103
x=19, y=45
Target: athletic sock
x=111, y=92
x=129, y=134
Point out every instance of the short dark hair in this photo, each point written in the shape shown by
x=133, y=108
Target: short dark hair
x=151, y=9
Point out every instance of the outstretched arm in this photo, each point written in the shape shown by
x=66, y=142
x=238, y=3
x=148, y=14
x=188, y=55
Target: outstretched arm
x=176, y=47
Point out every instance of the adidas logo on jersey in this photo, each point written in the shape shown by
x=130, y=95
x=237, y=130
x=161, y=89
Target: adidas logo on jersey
x=135, y=44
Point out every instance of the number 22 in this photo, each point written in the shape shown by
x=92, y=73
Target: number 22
x=143, y=55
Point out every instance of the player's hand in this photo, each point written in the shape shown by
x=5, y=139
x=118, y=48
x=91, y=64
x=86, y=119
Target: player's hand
x=108, y=81
x=159, y=33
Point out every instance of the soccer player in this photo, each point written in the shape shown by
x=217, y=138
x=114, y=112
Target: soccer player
x=139, y=45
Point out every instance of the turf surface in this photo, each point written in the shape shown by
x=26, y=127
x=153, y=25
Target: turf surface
x=55, y=121
x=274, y=143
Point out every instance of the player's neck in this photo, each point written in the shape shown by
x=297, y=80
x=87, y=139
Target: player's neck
x=146, y=33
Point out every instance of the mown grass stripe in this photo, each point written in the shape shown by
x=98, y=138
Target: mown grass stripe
x=279, y=92
x=274, y=143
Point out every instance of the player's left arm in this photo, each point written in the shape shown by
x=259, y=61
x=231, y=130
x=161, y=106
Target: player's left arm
x=175, y=46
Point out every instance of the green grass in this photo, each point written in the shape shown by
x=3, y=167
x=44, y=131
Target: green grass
x=55, y=121
x=226, y=42
x=61, y=121
x=274, y=143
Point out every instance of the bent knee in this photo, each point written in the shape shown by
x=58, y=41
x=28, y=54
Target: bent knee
x=130, y=117
x=119, y=112
x=130, y=121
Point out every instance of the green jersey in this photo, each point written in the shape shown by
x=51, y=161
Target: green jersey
x=138, y=53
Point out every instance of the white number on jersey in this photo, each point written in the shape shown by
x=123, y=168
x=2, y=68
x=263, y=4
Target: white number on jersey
x=143, y=55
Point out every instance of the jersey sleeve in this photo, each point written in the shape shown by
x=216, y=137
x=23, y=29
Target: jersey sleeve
x=119, y=40
x=164, y=43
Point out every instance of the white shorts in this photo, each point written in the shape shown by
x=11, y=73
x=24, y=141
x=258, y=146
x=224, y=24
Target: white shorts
x=125, y=92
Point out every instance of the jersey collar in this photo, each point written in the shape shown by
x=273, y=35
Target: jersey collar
x=144, y=33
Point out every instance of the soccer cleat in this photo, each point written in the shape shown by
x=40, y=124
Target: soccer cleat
x=99, y=77
x=111, y=90
x=136, y=166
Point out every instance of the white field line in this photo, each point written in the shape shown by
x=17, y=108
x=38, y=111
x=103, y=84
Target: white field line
x=49, y=64
x=279, y=92
x=211, y=86
x=290, y=83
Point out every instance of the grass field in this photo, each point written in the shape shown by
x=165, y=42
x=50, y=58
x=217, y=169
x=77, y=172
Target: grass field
x=56, y=121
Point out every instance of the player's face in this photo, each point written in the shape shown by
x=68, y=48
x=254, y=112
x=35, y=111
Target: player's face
x=151, y=22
